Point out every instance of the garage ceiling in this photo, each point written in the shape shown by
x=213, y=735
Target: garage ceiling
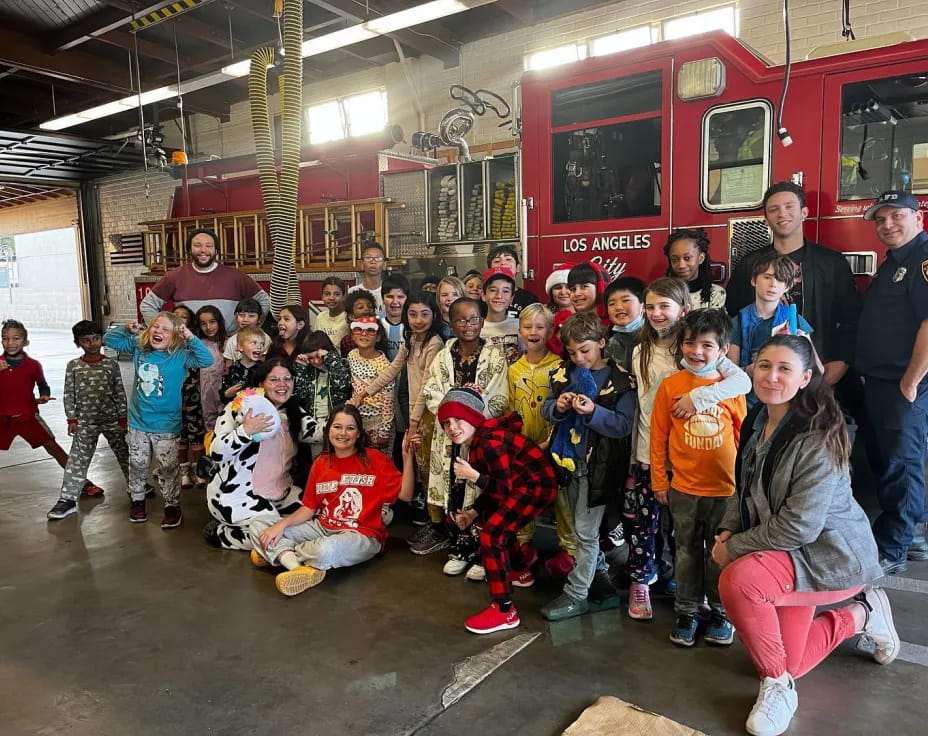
x=61, y=56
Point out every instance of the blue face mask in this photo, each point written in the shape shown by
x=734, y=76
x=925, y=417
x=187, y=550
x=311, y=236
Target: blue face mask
x=632, y=326
x=665, y=331
x=705, y=370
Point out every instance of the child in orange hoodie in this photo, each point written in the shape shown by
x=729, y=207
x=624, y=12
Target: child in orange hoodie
x=701, y=451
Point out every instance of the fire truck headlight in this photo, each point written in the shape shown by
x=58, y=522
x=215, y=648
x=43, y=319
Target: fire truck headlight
x=701, y=78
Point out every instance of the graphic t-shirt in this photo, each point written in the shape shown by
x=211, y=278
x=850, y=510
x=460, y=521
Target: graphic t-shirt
x=349, y=494
x=506, y=335
x=794, y=295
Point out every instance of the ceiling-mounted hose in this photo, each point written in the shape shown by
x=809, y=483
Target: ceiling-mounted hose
x=280, y=191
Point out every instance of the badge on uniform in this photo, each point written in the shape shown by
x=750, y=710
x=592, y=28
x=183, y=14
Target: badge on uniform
x=900, y=273
x=925, y=269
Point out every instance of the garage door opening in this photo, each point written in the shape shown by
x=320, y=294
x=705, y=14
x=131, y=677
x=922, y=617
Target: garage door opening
x=40, y=264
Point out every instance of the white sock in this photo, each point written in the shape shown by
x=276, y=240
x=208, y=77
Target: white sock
x=289, y=560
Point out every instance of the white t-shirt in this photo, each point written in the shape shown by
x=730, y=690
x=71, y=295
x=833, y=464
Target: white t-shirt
x=231, y=351
x=663, y=364
x=335, y=327
x=506, y=335
x=378, y=297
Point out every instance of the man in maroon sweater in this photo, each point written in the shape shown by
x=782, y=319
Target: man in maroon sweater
x=517, y=483
x=204, y=281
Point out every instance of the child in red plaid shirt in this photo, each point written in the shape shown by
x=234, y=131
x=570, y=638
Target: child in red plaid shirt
x=517, y=482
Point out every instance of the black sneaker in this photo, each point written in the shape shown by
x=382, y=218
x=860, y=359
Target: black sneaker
x=137, y=512
x=603, y=594
x=64, y=507
x=420, y=512
x=173, y=516
x=427, y=540
x=211, y=533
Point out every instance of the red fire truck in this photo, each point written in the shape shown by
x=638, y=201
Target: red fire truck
x=619, y=150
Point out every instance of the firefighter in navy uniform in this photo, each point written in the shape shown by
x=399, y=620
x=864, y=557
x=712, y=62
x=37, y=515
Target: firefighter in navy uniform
x=892, y=357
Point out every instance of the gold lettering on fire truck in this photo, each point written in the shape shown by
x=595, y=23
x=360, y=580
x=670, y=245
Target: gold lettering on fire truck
x=632, y=241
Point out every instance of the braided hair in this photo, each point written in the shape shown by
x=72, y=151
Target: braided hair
x=701, y=240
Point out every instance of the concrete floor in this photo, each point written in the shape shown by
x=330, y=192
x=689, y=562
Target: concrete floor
x=108, y=627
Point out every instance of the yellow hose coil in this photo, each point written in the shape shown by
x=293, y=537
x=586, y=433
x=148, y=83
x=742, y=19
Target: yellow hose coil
x=280, y=189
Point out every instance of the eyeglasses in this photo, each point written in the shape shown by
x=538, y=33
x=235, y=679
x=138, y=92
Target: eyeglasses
x=372, y=330
x=372, y=259
x=469, y=322
x=280, y=379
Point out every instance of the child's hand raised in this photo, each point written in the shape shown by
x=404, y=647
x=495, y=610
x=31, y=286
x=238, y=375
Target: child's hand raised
x=583, y=405
x=302, y=359
x=185, y=333
x=133, y=326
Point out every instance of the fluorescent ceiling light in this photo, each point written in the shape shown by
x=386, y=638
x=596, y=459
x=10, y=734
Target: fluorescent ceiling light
x=319, y=45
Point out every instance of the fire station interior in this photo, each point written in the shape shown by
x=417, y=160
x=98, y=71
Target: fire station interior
x=126, y=124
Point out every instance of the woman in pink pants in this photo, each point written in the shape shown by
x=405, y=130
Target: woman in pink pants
x=794, y=537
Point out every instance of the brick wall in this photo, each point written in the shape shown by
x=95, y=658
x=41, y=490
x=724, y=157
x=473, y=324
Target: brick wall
x=123, y=205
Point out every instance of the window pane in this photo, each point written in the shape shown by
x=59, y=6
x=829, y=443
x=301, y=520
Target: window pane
x=884, y=136
x=621, y=41
x=720, y=19
x=608, y=172
x=736, y=155
x=554, y=57
x=611, y=98
x=325, y=122
x=367, y=113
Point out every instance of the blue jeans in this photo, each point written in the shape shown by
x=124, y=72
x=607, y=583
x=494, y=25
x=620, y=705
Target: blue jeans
x=901, y=429
x=588, y=559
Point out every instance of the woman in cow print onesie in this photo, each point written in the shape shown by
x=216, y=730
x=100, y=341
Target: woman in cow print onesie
x=255, y=476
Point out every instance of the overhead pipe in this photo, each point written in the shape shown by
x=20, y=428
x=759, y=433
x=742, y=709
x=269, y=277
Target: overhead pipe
x=280, y=189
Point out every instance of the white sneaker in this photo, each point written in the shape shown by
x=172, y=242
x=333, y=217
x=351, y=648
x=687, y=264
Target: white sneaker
x=879, y=628
x=455, y=566
x=774, y=709
x=476, y=573
x=386, y=513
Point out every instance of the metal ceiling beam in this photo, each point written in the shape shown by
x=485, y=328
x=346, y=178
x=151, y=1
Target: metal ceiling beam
x=150, y=49
x=95, y=24
x=522, y=10
x=188, y=25
x=26, y=52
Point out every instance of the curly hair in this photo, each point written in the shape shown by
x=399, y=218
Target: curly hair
x=701, y=241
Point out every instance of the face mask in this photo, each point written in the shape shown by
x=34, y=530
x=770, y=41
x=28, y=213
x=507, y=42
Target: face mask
x=665, y=331
x=632, y=326
x=705, y=370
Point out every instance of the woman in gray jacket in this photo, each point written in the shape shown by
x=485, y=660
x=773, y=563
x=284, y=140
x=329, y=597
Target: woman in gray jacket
x=794, y=537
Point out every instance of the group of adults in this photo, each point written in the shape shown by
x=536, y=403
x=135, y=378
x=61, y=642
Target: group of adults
x=879, y=344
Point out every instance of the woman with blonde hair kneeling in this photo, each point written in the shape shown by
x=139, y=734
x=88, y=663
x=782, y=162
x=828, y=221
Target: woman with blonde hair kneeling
x=340, y=522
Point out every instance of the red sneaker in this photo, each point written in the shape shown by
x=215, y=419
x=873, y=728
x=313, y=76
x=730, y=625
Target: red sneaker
x=529, y=555
x=89, y=489
x=521, y=579
x=560, y=565
x=492, y=619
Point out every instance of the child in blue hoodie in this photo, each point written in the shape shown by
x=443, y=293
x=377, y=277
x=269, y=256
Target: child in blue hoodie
x=162, y=354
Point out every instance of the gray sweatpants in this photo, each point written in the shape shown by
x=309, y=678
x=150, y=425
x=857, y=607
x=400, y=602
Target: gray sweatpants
x=695, y=521
x=147, y=449
x=83, y=446
x=314, y=545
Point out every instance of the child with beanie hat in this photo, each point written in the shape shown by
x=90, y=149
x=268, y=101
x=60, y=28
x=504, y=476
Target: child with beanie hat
x=517, y=482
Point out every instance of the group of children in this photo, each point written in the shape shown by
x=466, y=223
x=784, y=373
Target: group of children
x=635, y=419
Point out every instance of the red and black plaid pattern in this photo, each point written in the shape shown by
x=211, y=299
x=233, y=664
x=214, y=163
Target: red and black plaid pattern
x=518, y=483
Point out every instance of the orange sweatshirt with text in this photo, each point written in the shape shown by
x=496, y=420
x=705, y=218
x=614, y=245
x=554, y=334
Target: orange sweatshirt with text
x=701, y=450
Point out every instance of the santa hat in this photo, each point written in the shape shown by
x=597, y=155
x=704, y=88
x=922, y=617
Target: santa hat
x=464, y=403
x=365, y=323
x=558, y=276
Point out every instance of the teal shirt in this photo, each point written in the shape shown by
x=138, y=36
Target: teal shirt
x=155, y=406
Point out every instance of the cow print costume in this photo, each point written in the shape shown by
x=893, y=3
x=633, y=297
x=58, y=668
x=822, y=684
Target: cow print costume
x=230, y=496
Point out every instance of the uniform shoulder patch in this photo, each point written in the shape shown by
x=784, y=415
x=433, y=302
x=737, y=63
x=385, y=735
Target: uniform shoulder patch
x=925, y=269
